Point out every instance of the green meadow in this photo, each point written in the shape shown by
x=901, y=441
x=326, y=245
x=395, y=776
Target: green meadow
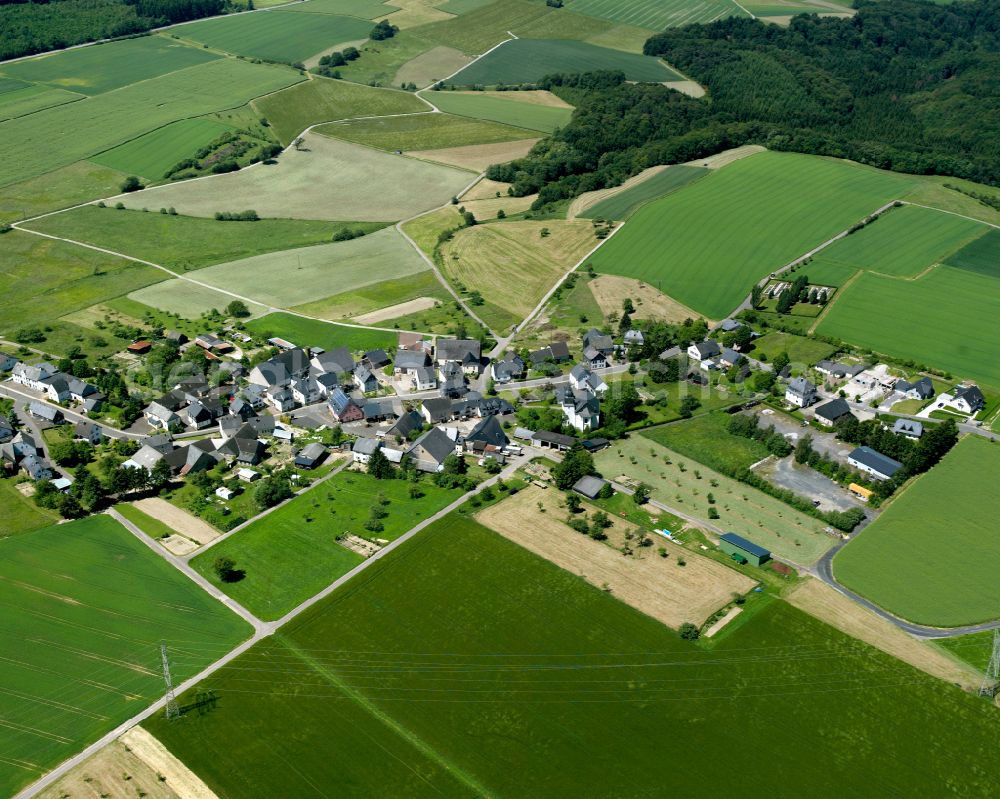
x=314, y=333
x=151, y=155
x=625, y=203
x=508, y=111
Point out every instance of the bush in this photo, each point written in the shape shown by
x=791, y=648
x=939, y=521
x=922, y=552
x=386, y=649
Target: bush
x=236, y=216
x=688, y=631
x=131, y=183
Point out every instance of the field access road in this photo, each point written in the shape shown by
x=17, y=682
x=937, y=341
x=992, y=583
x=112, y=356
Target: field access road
x=261, y=629
x=7, y=389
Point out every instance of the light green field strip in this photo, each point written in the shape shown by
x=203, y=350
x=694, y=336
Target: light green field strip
x=501, y=109
x=423, y=132
x=946, y=319
x=363, y=9
x=293, y=277
x=737, y=224
x=187, y=299
x=19, y=102
x=112, y=65
x=326, y=179
x=933, y=555
x=823, y=272
x=623, y=204
x=150, y=156
x=658, y=14
x=316, y=333
x=59, y=136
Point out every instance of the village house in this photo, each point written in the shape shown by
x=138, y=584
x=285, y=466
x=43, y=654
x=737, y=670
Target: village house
x=582, y=379
x=967, y=399
x=364, y=448
x=280, y=398
x=800, y=393
x=704, y=351
x=343, y=408
x=436, y=409
x=306, y=390
x=464, y=352
x=510, y=368
x=486, y=436
x=6, y=430
x=310, y=456
x=829, y=413
x=159, y=416
x=581, y=408
x=45, y=412
x=33, y=376
x=922, y=389
x=425, y=379
x=364, y=379
x=281, y=369
x=376, y=359
x=407, y=362
x=430, y=450
x=7, y=362
x=556, y=352
x=908, y=428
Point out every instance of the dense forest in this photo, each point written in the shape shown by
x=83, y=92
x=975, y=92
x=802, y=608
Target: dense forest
x=36, y=27
x=907, y=85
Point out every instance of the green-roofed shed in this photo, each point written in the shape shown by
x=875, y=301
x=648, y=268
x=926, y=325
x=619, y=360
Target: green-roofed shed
x=739, y=548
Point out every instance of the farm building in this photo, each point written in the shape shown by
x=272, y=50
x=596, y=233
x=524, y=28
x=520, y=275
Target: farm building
x=46, y=412
x=549, y=440
x=739, y=548
x=876, y=464
x=589, y=486
x=310, y=456
x=364, y=448
x=829, y=413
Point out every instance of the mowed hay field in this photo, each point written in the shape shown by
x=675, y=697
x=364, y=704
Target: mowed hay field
x=530, y=60
x=59, y=136
x=377, y=296
x=751, y=513
x=946, y=319
x=512, y=264
x=479, y=157
x=327, y=179
x=659, y=14
x=187, y=299
x=293, y=277
x=60, y=188
x=932, y=556
x=507, y=109
x=733, y=226
x=423, y=132
x=397, y=689
x=85, y=606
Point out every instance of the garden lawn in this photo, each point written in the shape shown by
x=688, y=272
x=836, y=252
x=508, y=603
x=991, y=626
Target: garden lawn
x=291, y=111
x=112, y=65
x=946, y=319
x=507, y=110
x=20, y=513
x=933, y=554
x=275, y=35
x=152, y=155
x=678, y=482
x=84, y=607
x=625, y=203
x=707, y=439
x=734, y=226
x=659, y=14
x=293, y=553
x=313, y=333
x=188, y=242
x=423, y=132
x=462, y=653
x=530, y=60
x=33, y=98
x=801, y=351
x=981, y=255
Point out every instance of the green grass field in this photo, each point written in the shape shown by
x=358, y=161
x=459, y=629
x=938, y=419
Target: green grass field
x=707, y=439
x=946, y=319
x=363, y=9
x=981, y=255
x=931, y=557
x=20, y=513
x=681, y=483
x=112, y=65
x=625, y=203
x=658, y=14
x=462, y=653
x=186, y=299
x=478, y=30
x=801, y=350
x=187, y=242
x=85, y=606
x=903, y=242
x=822, y=272
x=529, y=60
x=275, y=35
x=735, y=225
x=154, y=528
x=60, y=188
x=378, y=295
x=502, y=109
x=33, y=98
x=151, y=155
x=975, y=648
x=38, y=143
x=313, y=333
x=293, y=553
x=423, y=132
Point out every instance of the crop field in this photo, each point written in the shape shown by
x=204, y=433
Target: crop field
x=904, y=242
x=313, y=333
x=533, y=666
x=81, y=652
x=823, y=272
x=364, y=9
x=322, y=100
x=679, y=482
x=945, y=319
x=658, y=14
x=623, y=204
x=926, y=560
x=293, y=277
x=38, y=143
x=981, y=255
x=275, y=35
x=187, y=242
x=357, y=183
x=188, y=300
x=20, y=513
x=423, y=132
x=112, y=65
x=294, y=552
x=707, y=440
x=19, y=102
x=494, y=258
x=60, y=188
x=372, y=297
x=975, y=648
x=62, y=278
x=732, y=227
x=529, y=60
x=151, y=155
x=479, y=157
x=426, y=68
x=478, y=30
x=508, y=110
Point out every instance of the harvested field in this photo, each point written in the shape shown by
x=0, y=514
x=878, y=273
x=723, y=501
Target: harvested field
x=487, y=209
x=392, y=311
x=659, y=14
x=187, y=299
x=477, y=157
x=415, y=12
x=485, y=189
x=657, y=586
x=180, y=520
x=533, y=97
x=428, y=131
x=611, y=290
x=480, y=29
x=327, y=179
x=689, y=87
x=430, y=67
x=827, y=604
x=727, y=157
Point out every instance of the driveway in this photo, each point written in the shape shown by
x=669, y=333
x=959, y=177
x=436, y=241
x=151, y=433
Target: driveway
x=793, y=430
x=809, y=483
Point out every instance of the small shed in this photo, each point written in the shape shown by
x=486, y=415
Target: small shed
x=140, y=347
x=589, y=486
x=248, y=475
x=860, y=491
x=225, y=493
x=742, y=550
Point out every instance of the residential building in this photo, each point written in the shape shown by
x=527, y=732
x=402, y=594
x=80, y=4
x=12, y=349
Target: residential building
x=464, y=352
x=310, y=456
x=280, y=398
x=599, y=341
x=364, y=379
x=595, y=358
x=431, y=449
x=338, y=361
x=908, y=428
x=485, y=435
x=879, y=466
x=704, y=350
x=405, y=425
x=32, y=376
x=424, y=378
x=582, y=379
x=729, y=357
x=160, y=416
x=967, y=399
x=281, y=369
x=376, y=359
x=436, y=409
x=408, y=361
x=556, y=352
x=344, y=409
x=922, y=389
x=364, y=448
x=7, y=362
x=581, y=409
x=6, y=430
x=800, y=393
x=829, y=413
x=46, y=413
x=306, y=390
x=510, y=368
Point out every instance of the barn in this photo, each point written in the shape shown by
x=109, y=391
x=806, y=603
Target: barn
x=740, y=549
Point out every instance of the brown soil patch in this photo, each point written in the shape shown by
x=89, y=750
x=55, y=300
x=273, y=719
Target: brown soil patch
x=178, y=545
x=477, y=156
x=436, y=64
x=413, y=13
x=727, y=157
x=591, y=198
x=393, y=311
x=26, y=489
x=827, y=604
x=180, y=520
x=656, y=586
x=536, y=97
x=689, y=87
x=610, y=290
x=486, y=189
